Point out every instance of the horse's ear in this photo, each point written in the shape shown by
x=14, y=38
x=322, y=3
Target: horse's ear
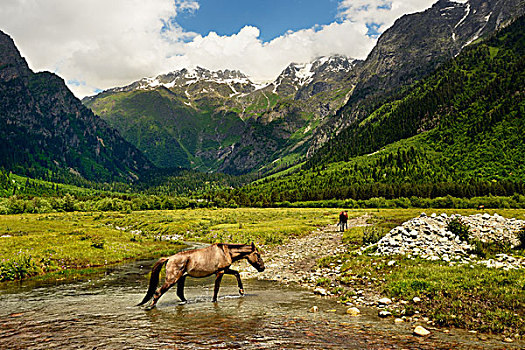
x=253, y=246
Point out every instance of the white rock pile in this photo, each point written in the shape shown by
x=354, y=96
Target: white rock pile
x=428, y=237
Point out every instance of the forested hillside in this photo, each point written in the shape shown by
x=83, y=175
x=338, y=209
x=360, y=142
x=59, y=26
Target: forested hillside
x=45, y=132
x=460, y=131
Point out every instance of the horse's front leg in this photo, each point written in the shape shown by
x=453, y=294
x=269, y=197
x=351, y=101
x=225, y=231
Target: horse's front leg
x=218, y=280
x=238, y=276
x=180, y=288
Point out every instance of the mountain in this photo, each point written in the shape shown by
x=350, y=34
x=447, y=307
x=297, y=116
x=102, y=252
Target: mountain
x=458, y=131
x=44, y=129
x=412, y=48
x=220, y=120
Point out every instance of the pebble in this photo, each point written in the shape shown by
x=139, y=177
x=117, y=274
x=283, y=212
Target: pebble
x=421, y=331
x=320, y=291
x=416, y=300
x=353, y=311
x=384, y=313
x=314, y=308
x=385, y=301
x=398, y=320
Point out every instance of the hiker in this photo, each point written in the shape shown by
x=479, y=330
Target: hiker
x=343, y=220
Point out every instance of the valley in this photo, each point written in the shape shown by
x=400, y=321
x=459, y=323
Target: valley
x=421, y=141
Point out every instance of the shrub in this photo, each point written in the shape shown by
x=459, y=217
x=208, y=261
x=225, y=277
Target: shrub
x=372, y=235
x=18, y=268
x=97, y=242
x=489, y=249
x=457, y=227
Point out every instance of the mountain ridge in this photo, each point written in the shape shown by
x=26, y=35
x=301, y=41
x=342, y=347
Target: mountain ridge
x=46, y=131
x=193, y=99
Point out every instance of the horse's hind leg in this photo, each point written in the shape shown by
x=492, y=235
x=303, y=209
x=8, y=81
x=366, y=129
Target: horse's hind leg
x=171, y=279
x=180, y=288
x=238, y=276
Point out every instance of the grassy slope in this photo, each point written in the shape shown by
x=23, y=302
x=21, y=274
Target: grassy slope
x=169, y=132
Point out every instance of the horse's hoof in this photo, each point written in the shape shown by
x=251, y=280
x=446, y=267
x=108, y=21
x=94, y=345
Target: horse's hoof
x=151, y=307
x=241, y=291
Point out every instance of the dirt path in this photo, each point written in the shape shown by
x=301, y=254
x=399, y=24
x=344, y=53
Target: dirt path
x=295, y=261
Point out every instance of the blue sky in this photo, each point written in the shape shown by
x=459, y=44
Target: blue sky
x=273, y=17
x=100, y=44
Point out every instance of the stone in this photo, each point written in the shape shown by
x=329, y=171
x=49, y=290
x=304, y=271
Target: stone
x=421, y=331
x=391, y=263
x=384, y=301
x=384, y=314
x=398, y=320
x=353, y=311
x=416, y=300
x=320, y=291
x=314, y=308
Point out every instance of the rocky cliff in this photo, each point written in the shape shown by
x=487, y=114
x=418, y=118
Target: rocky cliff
x=43, y=127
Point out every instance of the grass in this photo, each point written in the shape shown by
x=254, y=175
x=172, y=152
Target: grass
x=465, y=296
x=37, y=244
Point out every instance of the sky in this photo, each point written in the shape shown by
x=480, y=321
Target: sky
x=99, y=44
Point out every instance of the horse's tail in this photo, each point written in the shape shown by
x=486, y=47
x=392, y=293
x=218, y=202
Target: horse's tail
x=154, y=280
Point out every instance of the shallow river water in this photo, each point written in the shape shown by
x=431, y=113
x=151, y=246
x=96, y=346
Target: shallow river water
x=100, y=314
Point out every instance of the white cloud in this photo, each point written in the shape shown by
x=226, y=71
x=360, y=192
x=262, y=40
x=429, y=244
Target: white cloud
x=98, y=44
x=102, y=43
x=381, y=12
x=264, y=61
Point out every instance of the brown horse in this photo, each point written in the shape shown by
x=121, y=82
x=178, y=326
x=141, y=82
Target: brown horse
x=214, y=259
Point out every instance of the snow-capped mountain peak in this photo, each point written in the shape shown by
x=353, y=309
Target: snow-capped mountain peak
x=298, y=75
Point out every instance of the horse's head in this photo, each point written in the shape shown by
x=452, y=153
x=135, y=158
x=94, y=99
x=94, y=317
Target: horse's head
x=254, y=258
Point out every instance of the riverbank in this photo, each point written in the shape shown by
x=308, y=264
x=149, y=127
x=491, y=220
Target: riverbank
x=67, y=244
x=404, y=289
x=300, y=246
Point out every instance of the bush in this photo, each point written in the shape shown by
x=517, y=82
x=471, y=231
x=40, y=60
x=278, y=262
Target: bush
x=18, y=268
x=97, y=242
x=489, y=249
x=372, y=235
x=457, y=227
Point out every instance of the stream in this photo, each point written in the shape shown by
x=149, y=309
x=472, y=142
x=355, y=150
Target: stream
x=100, y=314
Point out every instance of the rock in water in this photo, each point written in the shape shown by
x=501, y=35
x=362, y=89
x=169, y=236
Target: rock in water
x=384, y=314
x=422, y=332
x=353, y=311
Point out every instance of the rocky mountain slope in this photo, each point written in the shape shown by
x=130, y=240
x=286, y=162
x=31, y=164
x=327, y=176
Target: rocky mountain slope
x=44, y=129
x=457, y=132
x=413, y=47
x=221, y=120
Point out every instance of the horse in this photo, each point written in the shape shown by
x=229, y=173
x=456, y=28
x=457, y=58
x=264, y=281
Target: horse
x=214, y=259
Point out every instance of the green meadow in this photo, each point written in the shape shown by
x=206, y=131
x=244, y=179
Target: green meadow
x=57, y=243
